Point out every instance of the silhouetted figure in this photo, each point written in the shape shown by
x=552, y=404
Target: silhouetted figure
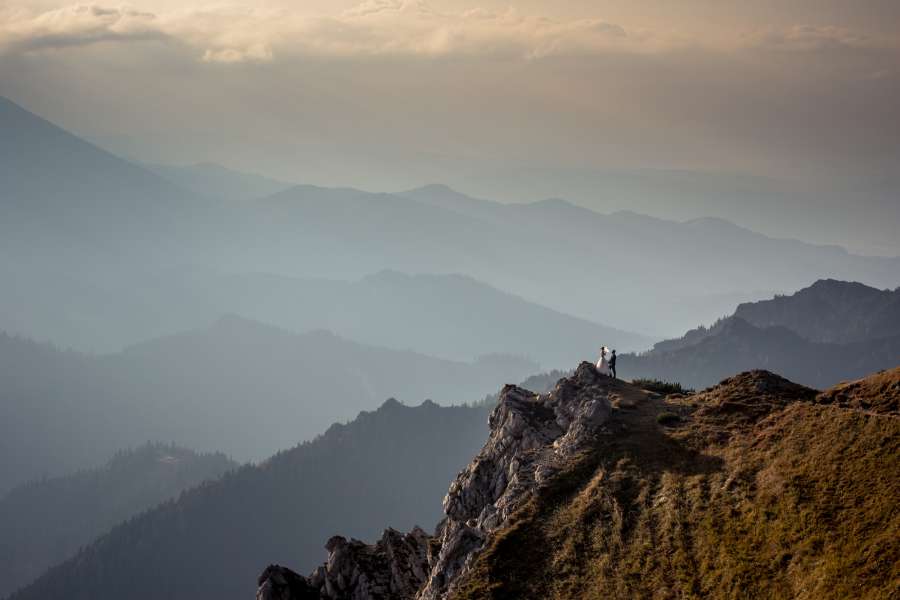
x=612, y=364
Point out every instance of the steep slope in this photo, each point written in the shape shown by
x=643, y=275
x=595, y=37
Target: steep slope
x=758, y=491
x=44, y=522
x=321, y=232
x=354, y=479
x=73, y=217
x=46, y=396
x=220, y=183
x=830, y=311
x=60, y=191
x=736, y=345
x=758, y=487
x=215, y=388
x=451, y=316
x=239, y=376
x=447, y=316
x=823, y=334
x=622, y=260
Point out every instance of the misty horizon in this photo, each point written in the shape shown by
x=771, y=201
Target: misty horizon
x=760, y=115
x=449, y=299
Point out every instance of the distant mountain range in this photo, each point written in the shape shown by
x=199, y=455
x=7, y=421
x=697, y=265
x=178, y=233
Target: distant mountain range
x=826, y=333
x=830, y=311
x=219, y=183
x=237, y=386
x=64, y=198
x=390, y=466
x=72, y=209
x=46, y=521
x=601, y=449
x=448, y=316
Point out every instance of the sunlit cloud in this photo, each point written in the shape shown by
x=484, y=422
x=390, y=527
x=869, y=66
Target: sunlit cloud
x=375, y=27
x=77, y=25
x=234, y=34
x=811, y=38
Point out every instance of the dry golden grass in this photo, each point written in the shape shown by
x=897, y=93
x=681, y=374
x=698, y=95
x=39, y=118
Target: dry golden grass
x=763, y=490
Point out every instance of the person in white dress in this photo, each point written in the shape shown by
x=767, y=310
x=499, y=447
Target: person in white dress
x=602, y=364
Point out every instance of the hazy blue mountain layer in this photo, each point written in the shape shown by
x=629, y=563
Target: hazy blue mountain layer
x=236, y=386
x=46, y=521
x=218, y=182
x=389, y=467
x=73, y=209
x=829, y=332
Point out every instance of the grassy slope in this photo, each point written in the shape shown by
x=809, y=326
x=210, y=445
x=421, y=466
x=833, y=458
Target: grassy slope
x=762, y=490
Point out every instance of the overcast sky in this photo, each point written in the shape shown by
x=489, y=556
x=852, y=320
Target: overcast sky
x=389, y=94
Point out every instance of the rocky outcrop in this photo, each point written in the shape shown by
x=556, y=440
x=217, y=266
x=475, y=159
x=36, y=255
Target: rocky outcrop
x=393, y=568
x=532, y=437
x=280, y=583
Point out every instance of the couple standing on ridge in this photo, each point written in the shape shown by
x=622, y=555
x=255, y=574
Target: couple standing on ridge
x=604, y=366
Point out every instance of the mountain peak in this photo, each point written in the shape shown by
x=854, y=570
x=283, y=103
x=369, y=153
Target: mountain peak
x=831, y=285
x=556, y=202
x=533, y=437
x=602, y=461
x=435, y=188
x=714, y=223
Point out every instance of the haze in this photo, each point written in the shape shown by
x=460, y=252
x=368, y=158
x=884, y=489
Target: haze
x=780, y=117
x=608, y=289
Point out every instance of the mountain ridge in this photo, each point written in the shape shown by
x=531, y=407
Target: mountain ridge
x=46, y=521
x=352, y=478
x=218, y=182
x=121, y=227
x=69, y=410
x=579, y=490
x=828, y=332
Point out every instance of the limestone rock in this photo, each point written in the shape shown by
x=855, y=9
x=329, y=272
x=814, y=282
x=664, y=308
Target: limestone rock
x=532, y=437
x=280, y=583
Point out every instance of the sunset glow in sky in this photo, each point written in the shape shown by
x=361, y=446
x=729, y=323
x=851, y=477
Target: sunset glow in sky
x=387, y=94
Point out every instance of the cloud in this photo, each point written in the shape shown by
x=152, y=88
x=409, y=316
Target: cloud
x=814, y=38
x=375, y=27
x=77, y=25
x=235, y=34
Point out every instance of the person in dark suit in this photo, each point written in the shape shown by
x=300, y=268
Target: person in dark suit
x=612, y=364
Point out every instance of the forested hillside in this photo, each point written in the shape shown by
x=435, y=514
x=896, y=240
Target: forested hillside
x=389, y=467
x=46, y=521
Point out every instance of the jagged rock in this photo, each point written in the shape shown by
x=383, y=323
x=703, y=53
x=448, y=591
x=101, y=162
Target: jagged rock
x=280, y=583
x=394, y=568
x=532, y=437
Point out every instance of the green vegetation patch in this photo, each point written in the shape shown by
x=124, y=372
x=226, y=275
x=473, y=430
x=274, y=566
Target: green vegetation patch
x=661, y=387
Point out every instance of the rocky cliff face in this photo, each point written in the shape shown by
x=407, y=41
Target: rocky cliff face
x=532, y=437
x=756, y=487
x=394, y=567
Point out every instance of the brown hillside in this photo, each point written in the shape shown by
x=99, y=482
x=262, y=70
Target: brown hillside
x=878, y=393
x=756, y=488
